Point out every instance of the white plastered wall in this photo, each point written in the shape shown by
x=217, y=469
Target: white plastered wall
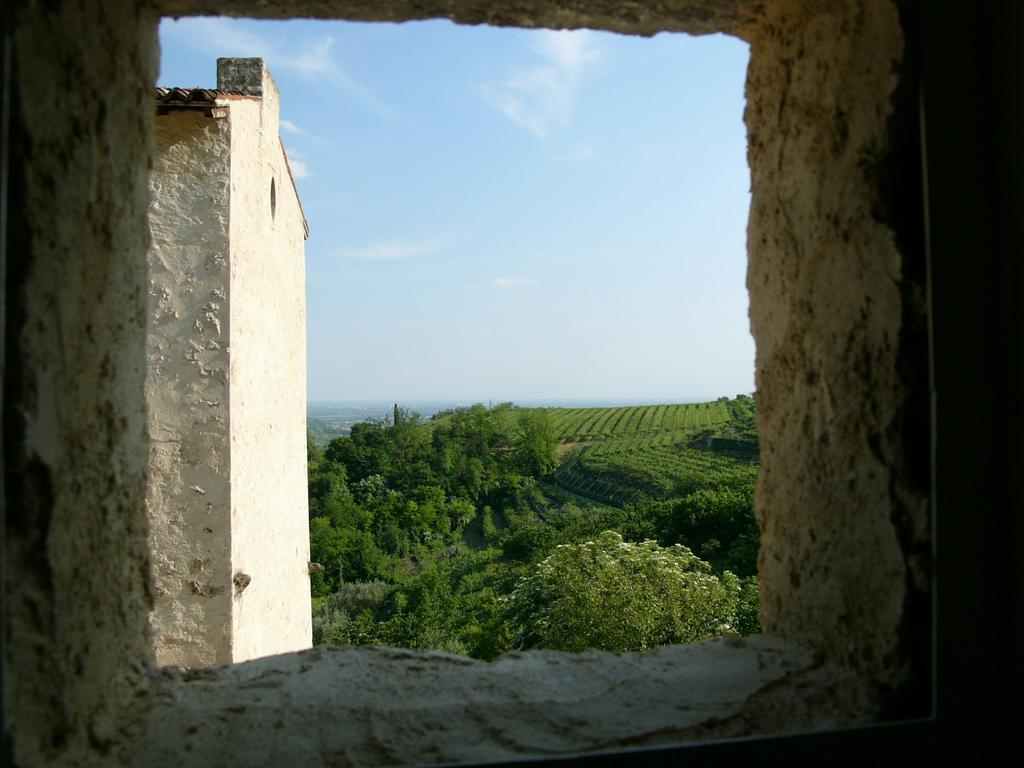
x=188, y=493
x=269, y=505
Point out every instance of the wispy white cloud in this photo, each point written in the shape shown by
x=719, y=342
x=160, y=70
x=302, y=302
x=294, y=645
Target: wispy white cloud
x=223, y=37
x=298, y=166
x=289, y=127
x=226, y=37
x=513, y=282
x=299, y=169
x=571, y=50
x=540, y=97
x=391, y=250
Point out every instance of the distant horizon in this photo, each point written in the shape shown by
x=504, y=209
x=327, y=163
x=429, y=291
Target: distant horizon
x=526, y=400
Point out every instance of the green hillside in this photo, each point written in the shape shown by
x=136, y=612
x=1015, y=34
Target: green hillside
x=489, y=529
x=617, y=455
x=672, y=421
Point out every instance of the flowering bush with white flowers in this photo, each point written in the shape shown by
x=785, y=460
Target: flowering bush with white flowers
x=618, y=596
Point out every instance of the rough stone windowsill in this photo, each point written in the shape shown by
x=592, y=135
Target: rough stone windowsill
x=377, y=706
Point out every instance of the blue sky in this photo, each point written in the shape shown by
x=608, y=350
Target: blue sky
x=508, y=214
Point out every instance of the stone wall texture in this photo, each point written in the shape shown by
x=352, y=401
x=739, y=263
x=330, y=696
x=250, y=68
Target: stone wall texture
x=826, y=310
x=190, y=490
x=634, y=17
x=75, y=440
x=825, y=285
x=366, y=706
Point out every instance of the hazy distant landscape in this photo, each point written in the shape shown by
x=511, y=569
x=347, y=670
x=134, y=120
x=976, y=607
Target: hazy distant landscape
x=326, y=419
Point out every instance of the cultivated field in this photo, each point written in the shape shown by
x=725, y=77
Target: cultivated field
x=618, y=455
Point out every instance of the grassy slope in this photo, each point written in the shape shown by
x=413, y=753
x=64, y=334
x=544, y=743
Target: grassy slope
x=616, y=455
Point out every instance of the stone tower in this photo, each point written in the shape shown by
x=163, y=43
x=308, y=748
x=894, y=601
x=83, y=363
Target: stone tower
x=226, y=386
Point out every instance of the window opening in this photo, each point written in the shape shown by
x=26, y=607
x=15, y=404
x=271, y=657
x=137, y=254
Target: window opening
x=563, y=158
x=857, y=638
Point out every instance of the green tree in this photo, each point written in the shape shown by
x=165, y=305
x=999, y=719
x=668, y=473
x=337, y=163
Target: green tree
x=537, y=442
x=313, y=453
x=718, y=523
x=617, y=596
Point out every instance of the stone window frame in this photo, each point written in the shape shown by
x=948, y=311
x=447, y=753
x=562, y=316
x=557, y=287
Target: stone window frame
x=75, y=672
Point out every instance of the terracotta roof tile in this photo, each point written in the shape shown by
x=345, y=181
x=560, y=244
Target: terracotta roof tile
x=192, y=95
